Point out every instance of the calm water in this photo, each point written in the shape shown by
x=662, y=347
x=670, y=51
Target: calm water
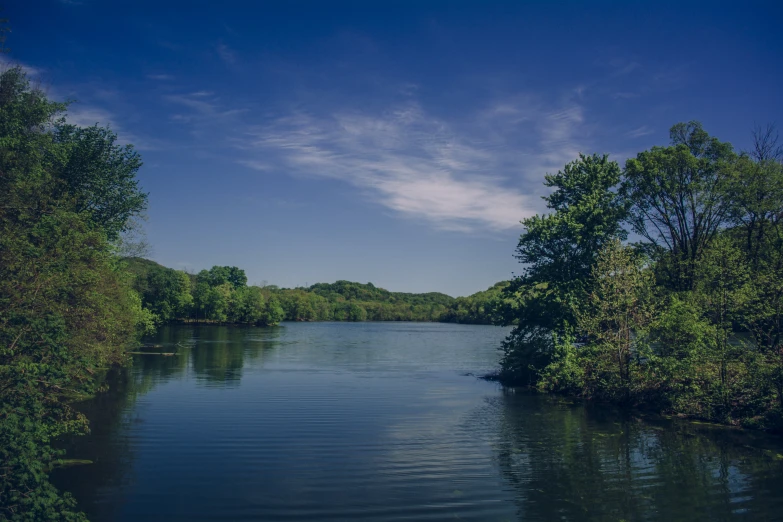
x=378, y=421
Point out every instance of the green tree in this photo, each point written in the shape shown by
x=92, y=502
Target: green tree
x=559, y=250
x=167, y=293
x=722, y=286
x=100, y=176
x=67, y=310
x=251, y=305
x=615, y=318
x=218, y=275
x=273, y=312
x=677, y=198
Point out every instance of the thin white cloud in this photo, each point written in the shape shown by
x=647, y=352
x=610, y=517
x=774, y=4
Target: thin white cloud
x=32, y=72
x=533, y=138
x=623, y=66
x=89, y=115
x=256, y=165
x=418, y=165
x=638, y=132
x=226, y=54
x=160, y=77
x=203, y=108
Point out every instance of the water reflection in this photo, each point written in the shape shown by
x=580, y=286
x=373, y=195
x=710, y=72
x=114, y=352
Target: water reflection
x=216, y=355
x=376, y=421
x=566, y=461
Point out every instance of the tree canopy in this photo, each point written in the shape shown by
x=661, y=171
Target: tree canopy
x=67, y=310
x=690, y=319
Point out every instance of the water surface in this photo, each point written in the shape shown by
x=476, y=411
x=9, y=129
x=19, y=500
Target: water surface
x=379, y=421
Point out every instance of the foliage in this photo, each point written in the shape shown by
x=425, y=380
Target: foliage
x=67, y=309
x=221, y=295
x=559, y=250
x=485, y=307
x=614, y=319
x=677, y=198
x=689, y=321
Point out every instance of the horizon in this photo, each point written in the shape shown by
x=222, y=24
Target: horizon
x=397, y=144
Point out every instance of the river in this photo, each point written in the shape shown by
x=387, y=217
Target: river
x=387, y=421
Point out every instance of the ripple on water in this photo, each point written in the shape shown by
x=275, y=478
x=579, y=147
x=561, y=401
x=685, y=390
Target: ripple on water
x=375, y=422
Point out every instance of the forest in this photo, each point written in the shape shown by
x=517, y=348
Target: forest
x=659, y=285
x=221, y=295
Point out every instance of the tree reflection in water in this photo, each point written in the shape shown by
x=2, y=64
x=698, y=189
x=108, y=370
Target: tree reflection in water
x=569, y=461
x=216, y=355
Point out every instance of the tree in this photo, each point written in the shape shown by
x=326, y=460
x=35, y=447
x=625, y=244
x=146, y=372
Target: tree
x=274, y=313
x=66, y=306
x=100, y=176
x=167, y=293
x=615, y=319
x=559, y=250
x=251, y=305
x=677, y=197
x=217, y=275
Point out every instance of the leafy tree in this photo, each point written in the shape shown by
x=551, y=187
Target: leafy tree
x=559, y=250
x=167, y=293
x=67, y=310
x=615, y=319
x=218, y=275
x=677, y=198
x=100, y=176
x=251, y=305
x=677, y=343
x=486, y=307
x=273, y=313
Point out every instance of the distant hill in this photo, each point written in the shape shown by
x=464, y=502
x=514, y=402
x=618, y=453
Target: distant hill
x=338, y=301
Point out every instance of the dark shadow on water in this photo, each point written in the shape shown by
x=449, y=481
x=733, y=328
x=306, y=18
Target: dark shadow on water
x=570, y=461
x=216, y=355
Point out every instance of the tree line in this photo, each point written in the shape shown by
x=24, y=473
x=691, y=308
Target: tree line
x=658, y=285
x=221, y=295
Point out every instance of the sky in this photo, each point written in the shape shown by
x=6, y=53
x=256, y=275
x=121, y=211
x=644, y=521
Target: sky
x=398, y=143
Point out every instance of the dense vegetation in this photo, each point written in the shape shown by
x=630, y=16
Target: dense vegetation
x=67, y=309
x=221, y=295
x=687, y=320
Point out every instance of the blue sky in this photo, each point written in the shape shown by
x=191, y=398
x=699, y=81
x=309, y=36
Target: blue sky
x=392, y=142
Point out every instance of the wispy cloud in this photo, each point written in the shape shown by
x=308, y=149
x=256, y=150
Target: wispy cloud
x=532, y=137
x=203, y=108
x=32, y=72
x=624, y=95
x=416, y=164
x=623, y=66
x=226, y=54
x=85, y=115
x=638, y=132
x=160, y=77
